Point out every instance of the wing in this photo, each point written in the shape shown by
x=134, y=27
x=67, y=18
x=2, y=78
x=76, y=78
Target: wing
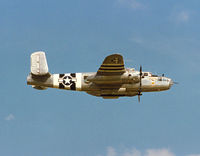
x=112, y=65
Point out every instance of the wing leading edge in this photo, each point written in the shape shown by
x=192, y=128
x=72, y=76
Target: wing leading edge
x=112, y=65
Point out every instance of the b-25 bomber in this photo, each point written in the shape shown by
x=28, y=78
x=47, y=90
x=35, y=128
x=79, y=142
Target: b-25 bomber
x=111, y=81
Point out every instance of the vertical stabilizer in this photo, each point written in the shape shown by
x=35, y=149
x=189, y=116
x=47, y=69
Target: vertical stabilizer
x=39, y=65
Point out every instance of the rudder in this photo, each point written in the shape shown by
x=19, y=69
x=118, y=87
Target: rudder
x=39, y=65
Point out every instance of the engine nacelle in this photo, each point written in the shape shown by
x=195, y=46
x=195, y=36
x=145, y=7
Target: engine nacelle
x=39, y=87
x=116, y=79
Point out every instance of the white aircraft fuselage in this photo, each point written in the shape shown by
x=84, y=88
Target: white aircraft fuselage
x=111, y=81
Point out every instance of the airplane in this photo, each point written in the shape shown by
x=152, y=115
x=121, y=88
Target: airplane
x=111, y=81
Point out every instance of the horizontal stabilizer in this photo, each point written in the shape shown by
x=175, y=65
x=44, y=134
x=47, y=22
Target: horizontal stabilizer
x=39, y=65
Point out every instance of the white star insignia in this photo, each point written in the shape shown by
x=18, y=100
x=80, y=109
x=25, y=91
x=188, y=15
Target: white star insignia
x=67, y=80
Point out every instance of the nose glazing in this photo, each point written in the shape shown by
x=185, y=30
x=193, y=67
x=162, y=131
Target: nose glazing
x=170, y=82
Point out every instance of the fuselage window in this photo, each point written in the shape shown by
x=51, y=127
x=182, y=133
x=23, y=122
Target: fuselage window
x=164, y=79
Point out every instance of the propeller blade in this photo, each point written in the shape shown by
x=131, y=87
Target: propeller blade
x=140, y=90
x=138, y=98
x=140, y=76
x=140, y=70
x=139, y=94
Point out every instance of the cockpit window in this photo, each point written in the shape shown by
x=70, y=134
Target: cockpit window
x=130, y=69
x=145, y=74
x=164, y=79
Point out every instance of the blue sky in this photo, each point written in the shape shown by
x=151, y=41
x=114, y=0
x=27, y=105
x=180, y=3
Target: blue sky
x=162, y=36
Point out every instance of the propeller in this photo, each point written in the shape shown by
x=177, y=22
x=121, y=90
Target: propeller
x=140, y=87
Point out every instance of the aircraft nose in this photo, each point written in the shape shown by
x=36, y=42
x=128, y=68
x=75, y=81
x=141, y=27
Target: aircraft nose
x=170, y=82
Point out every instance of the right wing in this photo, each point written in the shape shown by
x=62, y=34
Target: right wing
x=112, y=65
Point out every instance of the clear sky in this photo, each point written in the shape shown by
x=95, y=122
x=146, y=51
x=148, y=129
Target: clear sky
x=162, y=36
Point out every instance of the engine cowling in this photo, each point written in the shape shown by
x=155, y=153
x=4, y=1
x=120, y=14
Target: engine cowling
x=39, y=87
x=126, y=78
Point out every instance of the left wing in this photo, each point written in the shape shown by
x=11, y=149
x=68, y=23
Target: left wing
x=112, y=65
